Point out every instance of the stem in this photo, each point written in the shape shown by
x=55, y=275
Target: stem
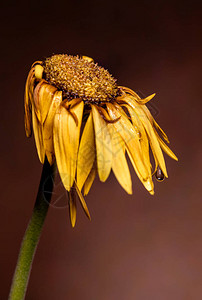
x=32, y=234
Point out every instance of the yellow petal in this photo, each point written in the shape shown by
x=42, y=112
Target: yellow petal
x=86, y=154
x=48, y=127
x=89, y=181
x=72, y=206
x=66, y=140
x=119, y=163
x=28, y=105
x=38, y=134
x=131, y=138
x=103, y=145
x=43, y=96
x=82, y=201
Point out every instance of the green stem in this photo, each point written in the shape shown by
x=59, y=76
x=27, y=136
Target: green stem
x=32, y=234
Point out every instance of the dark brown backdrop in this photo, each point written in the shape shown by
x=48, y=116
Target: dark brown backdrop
x=136, y=247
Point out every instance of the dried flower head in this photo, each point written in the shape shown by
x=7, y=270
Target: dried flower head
x=88, y=123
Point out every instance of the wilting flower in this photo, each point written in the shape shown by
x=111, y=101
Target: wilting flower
x=87, y=123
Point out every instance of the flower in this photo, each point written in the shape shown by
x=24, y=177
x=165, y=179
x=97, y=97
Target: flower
x=87, y=123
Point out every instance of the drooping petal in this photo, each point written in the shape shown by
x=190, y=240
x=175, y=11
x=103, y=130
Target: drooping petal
x=72, y=205
x=155, y=146
x=28, y=105
x=61, y=145
x=43, y=96
x=135, y=103
x=142, y=134
x=119, y=162
x=48, y=127
x=103, y=145
x=38, y=135
x=66, y=140
x=148, y=183
x=74, y=135
x=156, y=149
x=89, y=181
x=86, y=154
x=82, y=201
x=131, y=139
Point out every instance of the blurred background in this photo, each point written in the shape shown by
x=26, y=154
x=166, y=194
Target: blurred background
x=136, y=247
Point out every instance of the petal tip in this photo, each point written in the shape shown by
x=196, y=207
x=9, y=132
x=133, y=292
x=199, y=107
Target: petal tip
x=152, y=192
x=73, y=223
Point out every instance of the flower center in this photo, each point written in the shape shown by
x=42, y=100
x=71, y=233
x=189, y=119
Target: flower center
x=80, y=78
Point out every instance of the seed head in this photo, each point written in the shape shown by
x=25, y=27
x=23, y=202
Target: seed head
x=80, y=78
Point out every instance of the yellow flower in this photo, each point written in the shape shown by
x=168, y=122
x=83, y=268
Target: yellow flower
x=87, y=123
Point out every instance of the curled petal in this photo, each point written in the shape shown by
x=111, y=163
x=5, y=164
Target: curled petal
x=38, y=62
x=28, y=104
x=145, y=100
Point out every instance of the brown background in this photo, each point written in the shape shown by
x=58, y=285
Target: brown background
x=136, y=247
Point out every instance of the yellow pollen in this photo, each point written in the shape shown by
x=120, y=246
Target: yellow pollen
x=80, y=78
